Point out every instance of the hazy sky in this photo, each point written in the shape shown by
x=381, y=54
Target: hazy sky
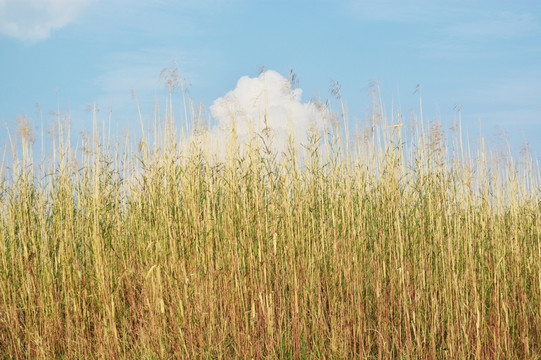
x=67, y=54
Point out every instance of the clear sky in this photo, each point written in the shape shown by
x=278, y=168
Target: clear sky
x=482, y=55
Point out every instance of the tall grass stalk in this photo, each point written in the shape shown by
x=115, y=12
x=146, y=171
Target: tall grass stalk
x=376, y=246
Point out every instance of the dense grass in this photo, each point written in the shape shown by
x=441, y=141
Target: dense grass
x=391, y=247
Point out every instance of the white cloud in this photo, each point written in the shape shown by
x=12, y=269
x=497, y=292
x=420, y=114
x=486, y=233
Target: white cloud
x=32, y=20
x=267, y=100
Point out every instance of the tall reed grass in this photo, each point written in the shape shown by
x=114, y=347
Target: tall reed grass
x=374, y=245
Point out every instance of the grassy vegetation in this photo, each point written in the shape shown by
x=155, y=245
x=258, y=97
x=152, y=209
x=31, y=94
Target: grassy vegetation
x=393, y=246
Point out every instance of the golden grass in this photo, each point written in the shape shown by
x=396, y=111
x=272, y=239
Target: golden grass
x=398, y=247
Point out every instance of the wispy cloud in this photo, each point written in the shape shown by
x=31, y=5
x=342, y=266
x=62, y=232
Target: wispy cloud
x=460, y=30
x=495, y=25
x=396, y=11
x=124, y=71
x=123, y=74
x=518, y=89
x=32, y=20
x=458, y=18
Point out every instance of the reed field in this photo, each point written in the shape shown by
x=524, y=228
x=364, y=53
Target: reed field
x=397, y=240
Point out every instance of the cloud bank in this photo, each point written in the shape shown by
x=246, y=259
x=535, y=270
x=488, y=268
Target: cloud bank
x=32, y=20
x=267, y=103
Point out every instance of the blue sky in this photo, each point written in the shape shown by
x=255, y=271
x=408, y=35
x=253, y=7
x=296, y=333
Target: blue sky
x=68, y=54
